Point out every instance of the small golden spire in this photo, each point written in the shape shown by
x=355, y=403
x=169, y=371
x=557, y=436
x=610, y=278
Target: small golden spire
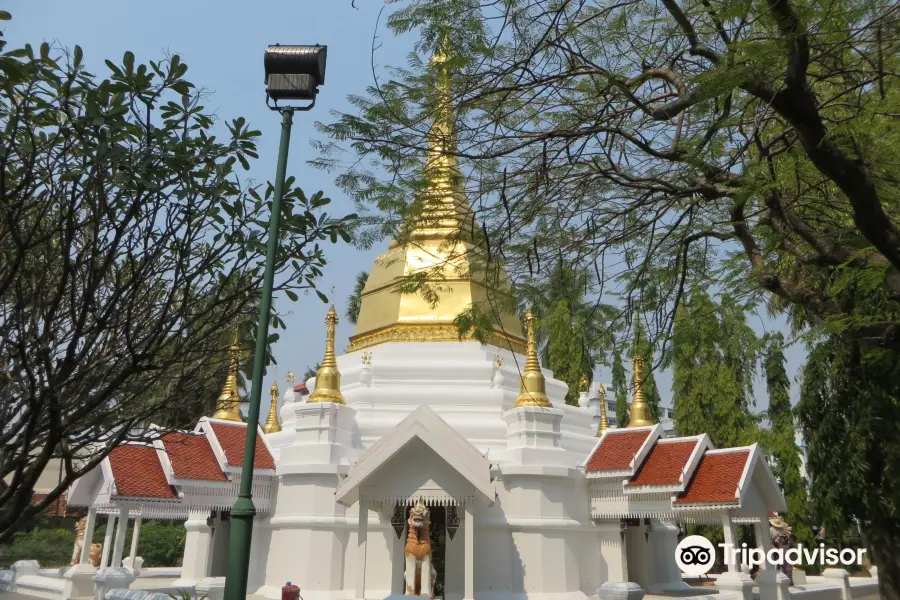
x=228, y=404
x=328, y=378
x=272, y=425
x=291, y=378
x=533, y=391
x=640, y=411
x=604, y=421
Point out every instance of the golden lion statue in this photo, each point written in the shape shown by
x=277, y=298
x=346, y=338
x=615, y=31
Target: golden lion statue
x=96, y=550
x=420, y=573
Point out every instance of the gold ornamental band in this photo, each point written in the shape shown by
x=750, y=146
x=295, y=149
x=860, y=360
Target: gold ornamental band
x=429, y=333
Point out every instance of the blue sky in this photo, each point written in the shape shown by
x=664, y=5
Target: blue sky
x=223, y=42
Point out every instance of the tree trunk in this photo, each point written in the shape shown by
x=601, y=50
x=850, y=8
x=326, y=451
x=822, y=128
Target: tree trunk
x=884, y=548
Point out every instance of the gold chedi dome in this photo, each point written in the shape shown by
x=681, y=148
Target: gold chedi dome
x=229, y=402
x=435, y=251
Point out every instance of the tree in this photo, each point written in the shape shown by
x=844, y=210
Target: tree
x=711, y=391
x=644, y=349
x=130, y=252
x=354, y=301
x=781, y=440
x=849, y=412
x=311, y=371
x=621, y=388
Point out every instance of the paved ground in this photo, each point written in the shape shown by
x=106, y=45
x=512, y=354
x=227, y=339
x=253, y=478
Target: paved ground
x=14, y=596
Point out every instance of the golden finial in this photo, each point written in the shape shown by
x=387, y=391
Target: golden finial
x=533, y=391
x=584, y=383
x=228, y=404
x=640, y=411
x=328, y=379
x=291, y=378
x=604, y=421
x=367, y=359
x=272, y=425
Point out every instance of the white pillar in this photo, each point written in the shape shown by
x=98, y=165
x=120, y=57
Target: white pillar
x=135, y=535
x=197, y=549
x=731, y=540
x=761, y=530
x=108, y=540
x=120, y=538
x=397, y=561
x=88, y=536
x=361, y=538
x=469, y=553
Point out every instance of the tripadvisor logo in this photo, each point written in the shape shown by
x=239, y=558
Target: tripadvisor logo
x=695, y=555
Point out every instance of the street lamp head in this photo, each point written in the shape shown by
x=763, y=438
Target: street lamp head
x=294, y=72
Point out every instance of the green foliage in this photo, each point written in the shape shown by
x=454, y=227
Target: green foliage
x=129, y=237
x=50, y=547
x=713, y=358
x=620, y=386
x=354, y=301
x=565, y=349
x=848, y=413
x=161, y=543
x=780, y=440
x=643, y=348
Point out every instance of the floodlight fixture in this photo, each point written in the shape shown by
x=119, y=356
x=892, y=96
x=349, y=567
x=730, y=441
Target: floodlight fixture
x=294, y=73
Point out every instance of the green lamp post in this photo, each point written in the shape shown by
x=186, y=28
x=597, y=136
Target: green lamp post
x=292, y=73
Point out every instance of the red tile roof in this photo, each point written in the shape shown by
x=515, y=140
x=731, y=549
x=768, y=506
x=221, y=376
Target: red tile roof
x=192, y=457
x=232, y=437
x=716, y=478
x=617, y=450
x=664, y=464
x=301, y=387
x=138, y=473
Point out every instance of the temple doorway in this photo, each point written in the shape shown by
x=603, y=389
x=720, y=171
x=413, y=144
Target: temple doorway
x=438, y=535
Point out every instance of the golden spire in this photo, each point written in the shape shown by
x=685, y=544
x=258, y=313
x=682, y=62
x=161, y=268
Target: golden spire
x=435, y=246
x=640, y=411
x=272, y=425
x=533, y=391
x=604, y=421
x=584, y=384
x=228, y=404
x=328, y=379
x=291, y=378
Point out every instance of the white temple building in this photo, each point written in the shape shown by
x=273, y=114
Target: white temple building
x=528, y=497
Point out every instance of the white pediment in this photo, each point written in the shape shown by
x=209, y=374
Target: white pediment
x=421, y=454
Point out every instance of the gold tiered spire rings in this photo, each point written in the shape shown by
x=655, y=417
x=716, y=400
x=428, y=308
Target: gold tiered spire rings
x=533, y=391
x=229, y=402
x=640, y=410
x=328, y=378
x=272, y=425
x=604, y=420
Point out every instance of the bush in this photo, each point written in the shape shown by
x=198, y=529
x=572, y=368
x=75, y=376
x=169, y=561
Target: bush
x=161, y=543
x=50, y=547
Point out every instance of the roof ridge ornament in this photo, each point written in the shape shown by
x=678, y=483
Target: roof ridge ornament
x=328, y=378
x=640, y=410
x=533, y=390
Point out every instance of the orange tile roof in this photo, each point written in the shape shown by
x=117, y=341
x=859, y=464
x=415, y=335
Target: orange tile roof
x=617, y=450
x=138, y=473
x=716, y=478
x=664, y=464
x=232, y=437
x=192, y=457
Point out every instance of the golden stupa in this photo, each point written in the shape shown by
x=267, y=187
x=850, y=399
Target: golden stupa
x=640, y=410
x=229, y=402
x=434, y=247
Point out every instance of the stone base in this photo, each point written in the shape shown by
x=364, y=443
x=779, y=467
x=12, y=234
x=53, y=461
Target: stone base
x=79, y=581
x=111, y=578
x=213, y=588
x=738, y=582
x=619, y=590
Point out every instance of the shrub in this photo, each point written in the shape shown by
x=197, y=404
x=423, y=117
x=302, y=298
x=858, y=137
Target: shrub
x=50, y=547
